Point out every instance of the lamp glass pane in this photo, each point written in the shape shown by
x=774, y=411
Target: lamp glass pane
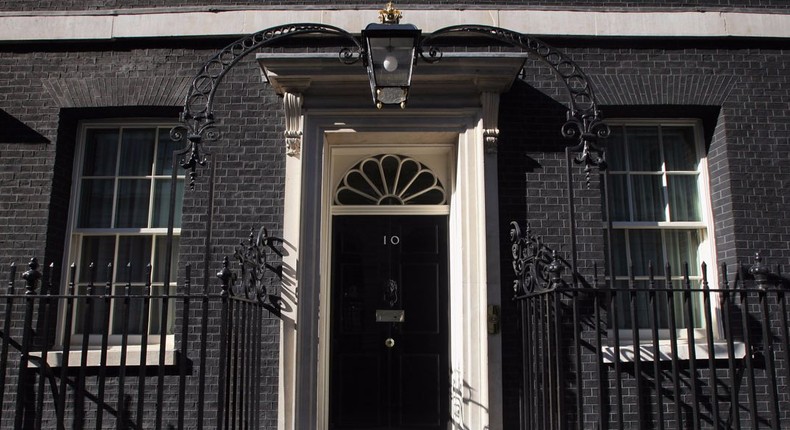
x=397, y=54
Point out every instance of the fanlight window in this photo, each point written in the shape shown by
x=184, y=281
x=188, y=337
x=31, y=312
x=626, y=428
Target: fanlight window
x=390, y=179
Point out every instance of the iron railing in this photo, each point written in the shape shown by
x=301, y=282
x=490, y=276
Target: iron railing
x=60, y=367
x=708, y=356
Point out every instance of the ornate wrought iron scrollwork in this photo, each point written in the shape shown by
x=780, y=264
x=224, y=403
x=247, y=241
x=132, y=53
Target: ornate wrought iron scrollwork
x=256, y=269
x=192, y=157
x=197, y=118
x=584, y=121
x=537, y=267
x=429, y=54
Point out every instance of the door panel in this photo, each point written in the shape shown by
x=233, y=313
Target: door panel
x=394, y=264
x=421, y=303
x=420, y=392
x=357, y=396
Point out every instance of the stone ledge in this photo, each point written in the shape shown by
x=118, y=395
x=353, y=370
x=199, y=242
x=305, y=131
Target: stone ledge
x=148, y=24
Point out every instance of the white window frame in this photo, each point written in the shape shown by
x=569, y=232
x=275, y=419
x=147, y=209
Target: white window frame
x=74, y=236
x=706, y=249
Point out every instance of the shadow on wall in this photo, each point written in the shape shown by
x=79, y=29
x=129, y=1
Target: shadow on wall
x=15, y=131
x=530, y=128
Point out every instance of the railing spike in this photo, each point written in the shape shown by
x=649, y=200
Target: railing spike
x=109, y=274
x=725, y=279
x=11, y=278
x=72, y=277
x=225, y=276
x=32, y=276
x=704, y=268
x=760, y=271
x=50, y=278
x=595, y=274
x=91, y=273
x=148, y=279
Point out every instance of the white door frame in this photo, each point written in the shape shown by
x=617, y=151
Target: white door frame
x=474, y=261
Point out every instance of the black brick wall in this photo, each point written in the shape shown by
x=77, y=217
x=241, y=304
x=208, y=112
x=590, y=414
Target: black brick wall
x=740, y=89
x=47, y=91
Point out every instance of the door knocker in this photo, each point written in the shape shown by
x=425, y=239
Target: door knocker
x=391, y=293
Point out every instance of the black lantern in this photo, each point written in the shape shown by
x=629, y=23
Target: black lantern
x=389, y=57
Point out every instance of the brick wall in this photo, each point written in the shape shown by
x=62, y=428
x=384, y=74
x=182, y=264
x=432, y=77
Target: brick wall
x=740, y=89
x=47, y=91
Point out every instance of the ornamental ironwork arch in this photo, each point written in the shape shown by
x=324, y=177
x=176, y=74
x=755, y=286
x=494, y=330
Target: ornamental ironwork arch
x=197, y=118
x=584, y=119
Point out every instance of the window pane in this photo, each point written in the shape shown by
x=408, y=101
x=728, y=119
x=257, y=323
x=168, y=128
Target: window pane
x=408, y=170
x=95, y=209
x=643, y=303
x=679, y=148
x=684, y=202
x=98, y=309
x=156, y=312
x=681, y=310
x=159, y=263
x=137, y=152
x=389, y=167
x=683, y=247
x=421, y=182
x=133, y=311
x=99, y=250
x=615, y=150
x=164, y=152
x=645, y=248
x=133, y=196
x=135, y=250
x=619, y=196
x=352, y=197
x=373, y=173
x=101, y=146
x=648, y=198
x=644, y=153
x=358, y=190
x=162, y=203
x=619, y=252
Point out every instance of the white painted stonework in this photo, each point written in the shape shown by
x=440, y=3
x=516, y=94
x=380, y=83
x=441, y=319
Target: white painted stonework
x=193, y=22
x=449, y=138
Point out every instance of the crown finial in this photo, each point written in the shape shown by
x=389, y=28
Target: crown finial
x=390, y=15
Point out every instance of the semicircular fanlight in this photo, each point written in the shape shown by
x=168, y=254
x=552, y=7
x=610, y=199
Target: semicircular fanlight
x=390, y=179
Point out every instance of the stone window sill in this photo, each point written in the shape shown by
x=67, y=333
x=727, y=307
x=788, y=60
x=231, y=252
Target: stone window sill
x=648, y=352
x=94, y=357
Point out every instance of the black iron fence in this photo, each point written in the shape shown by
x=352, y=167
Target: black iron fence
x=138, y=358
x=649, y=355
x=657, y=353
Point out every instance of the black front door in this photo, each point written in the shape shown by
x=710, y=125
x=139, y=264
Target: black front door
x=389, y=365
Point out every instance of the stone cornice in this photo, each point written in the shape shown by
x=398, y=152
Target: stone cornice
x=167, y=23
